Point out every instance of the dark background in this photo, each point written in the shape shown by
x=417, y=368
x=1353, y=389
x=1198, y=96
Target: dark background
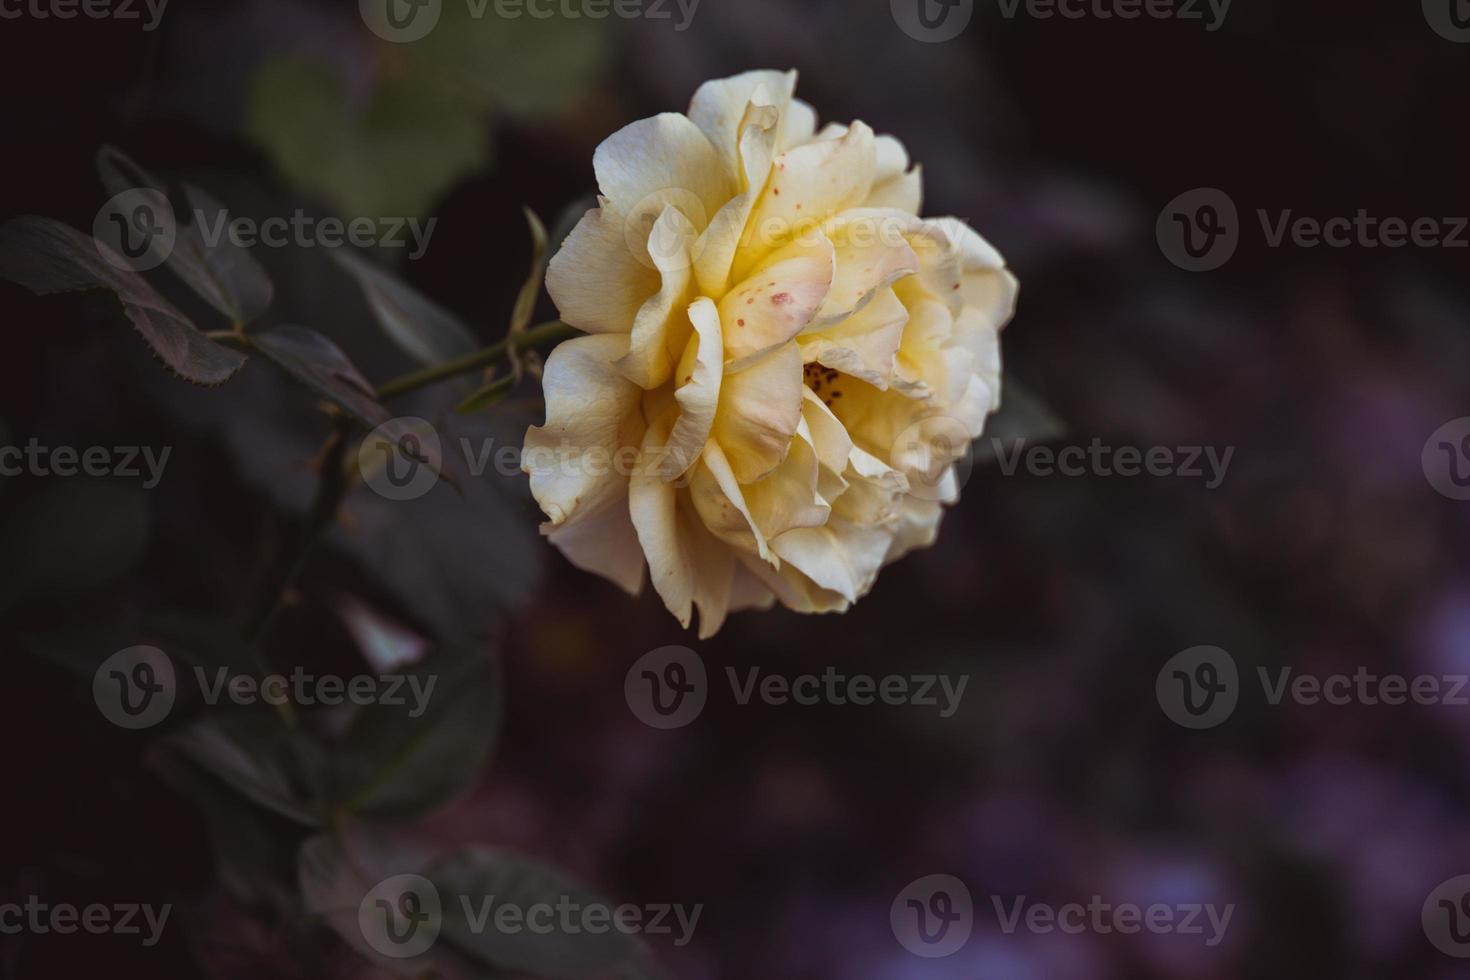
x=1061, y=598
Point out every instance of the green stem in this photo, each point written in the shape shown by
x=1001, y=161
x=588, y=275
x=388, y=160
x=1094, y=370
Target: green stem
x=550, y=332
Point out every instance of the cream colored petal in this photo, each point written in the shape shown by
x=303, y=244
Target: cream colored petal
x=661, y=328
x=778, y=300
x=903, y=193
x=831, y=443
x=697, y=381
x=796, y=591
x=718, y=246
x=788, y=497
x=720, y=503
x=865, y=344
x=604, y=543
x=663, y=160
x=890, y=159
x=759, y=411
x=596, y=281
x=809, y=184
x=874, y=494
x=719, y=107
x=931, y=363
x=917, y=527
x=839, y=557
x=798, y=125
x=871, y=254
x=687, y=566
x=592, y=413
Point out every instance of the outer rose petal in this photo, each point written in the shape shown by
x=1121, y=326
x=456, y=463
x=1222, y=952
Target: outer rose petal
x=596, y=281
x=665, y=158
x=687, y=566
x=605, y=544
x=719, y=107
x=759, y=411
x=716, y=249
x=871, y=254
x=721, y=504
x=661, y=328
x=697, y=390
x=592, y=413
x=795, y=590
x=918, y=526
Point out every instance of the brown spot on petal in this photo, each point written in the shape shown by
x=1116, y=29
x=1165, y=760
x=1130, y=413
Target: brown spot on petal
x=781, y=299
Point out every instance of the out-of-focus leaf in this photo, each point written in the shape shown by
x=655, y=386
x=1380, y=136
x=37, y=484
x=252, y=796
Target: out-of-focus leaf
x=392, y=765
x=424, y=330
x=392, y=156
x=253, y=857
x=526, y=66
x=225, y=276
x=487, y=397
x=257, y=756
x=334, y=885
x=48, y=257
x=477, y=876
x=321, y=365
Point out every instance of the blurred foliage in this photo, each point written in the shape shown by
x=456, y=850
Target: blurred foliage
x=423, y=122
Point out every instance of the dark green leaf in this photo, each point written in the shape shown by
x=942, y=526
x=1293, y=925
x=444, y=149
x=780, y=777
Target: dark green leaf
x=424, y=330
x=48, y=257
x=258, y=757
x=391, y=765
x=320, y=365
x=225, y=276
x=475, y=875
x=334, y=885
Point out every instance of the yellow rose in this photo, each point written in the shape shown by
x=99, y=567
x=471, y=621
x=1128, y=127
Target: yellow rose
x=783, y=360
